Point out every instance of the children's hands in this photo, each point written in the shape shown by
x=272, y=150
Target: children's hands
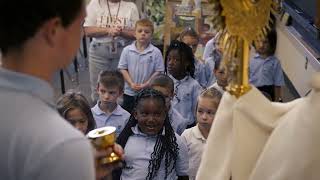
x=136, y=87
x=144, y=85
x=104, y=170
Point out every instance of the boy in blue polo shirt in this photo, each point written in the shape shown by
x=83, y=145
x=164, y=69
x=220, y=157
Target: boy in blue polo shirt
x=265, y=69
x=164, y=84
x=139, y=62
x=107, y=112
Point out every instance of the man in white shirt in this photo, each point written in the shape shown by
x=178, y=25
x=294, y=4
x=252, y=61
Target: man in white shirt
x=37, y=38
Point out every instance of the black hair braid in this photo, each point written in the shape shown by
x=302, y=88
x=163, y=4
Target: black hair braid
x=170, y=143
x=186, y=56
x=122, y=141
x=156, y=156
x=126, y=132
x=166, y=145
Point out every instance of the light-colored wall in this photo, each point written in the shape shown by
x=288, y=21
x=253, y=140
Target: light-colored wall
x=298, y=60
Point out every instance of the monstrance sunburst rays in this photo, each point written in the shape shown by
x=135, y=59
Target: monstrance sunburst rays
x=240, y=23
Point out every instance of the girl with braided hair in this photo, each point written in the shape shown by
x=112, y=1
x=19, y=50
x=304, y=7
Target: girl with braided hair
x=179, y=65
x=153, y=150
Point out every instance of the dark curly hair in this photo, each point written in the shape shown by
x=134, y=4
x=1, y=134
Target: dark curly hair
x=186, y=56
x=166, y=145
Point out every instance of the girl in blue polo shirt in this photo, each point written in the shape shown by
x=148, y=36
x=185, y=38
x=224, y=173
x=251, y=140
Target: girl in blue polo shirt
x=153, y=150
x=265, y=69
x=179, y=64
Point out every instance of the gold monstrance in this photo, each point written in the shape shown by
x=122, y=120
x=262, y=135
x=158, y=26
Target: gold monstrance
x=241, y=22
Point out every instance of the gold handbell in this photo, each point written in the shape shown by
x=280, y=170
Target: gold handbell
x=103, y=138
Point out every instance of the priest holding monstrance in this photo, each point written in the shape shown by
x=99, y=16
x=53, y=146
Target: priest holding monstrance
x=252, y=138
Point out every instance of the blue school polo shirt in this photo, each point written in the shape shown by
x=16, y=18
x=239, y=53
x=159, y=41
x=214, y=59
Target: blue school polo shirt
x=178, y=122
x=208, y=48
x=186, y=92
x=266, y=71
x=140, y=65
x=200, y=73
x=118, y=118
x=138, y=154
x=209, y=67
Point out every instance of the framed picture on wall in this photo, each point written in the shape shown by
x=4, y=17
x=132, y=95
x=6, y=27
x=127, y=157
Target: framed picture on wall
x=177, y=18
x=186, y=21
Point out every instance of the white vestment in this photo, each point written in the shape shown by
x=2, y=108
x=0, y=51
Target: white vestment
x=254, y=139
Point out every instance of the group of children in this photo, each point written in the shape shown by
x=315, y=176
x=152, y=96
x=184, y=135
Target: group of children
x=161, y=101
x=151, y=135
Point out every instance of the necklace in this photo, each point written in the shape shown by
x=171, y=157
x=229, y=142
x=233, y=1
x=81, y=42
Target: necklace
x=117, y=10
x=113, y=47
